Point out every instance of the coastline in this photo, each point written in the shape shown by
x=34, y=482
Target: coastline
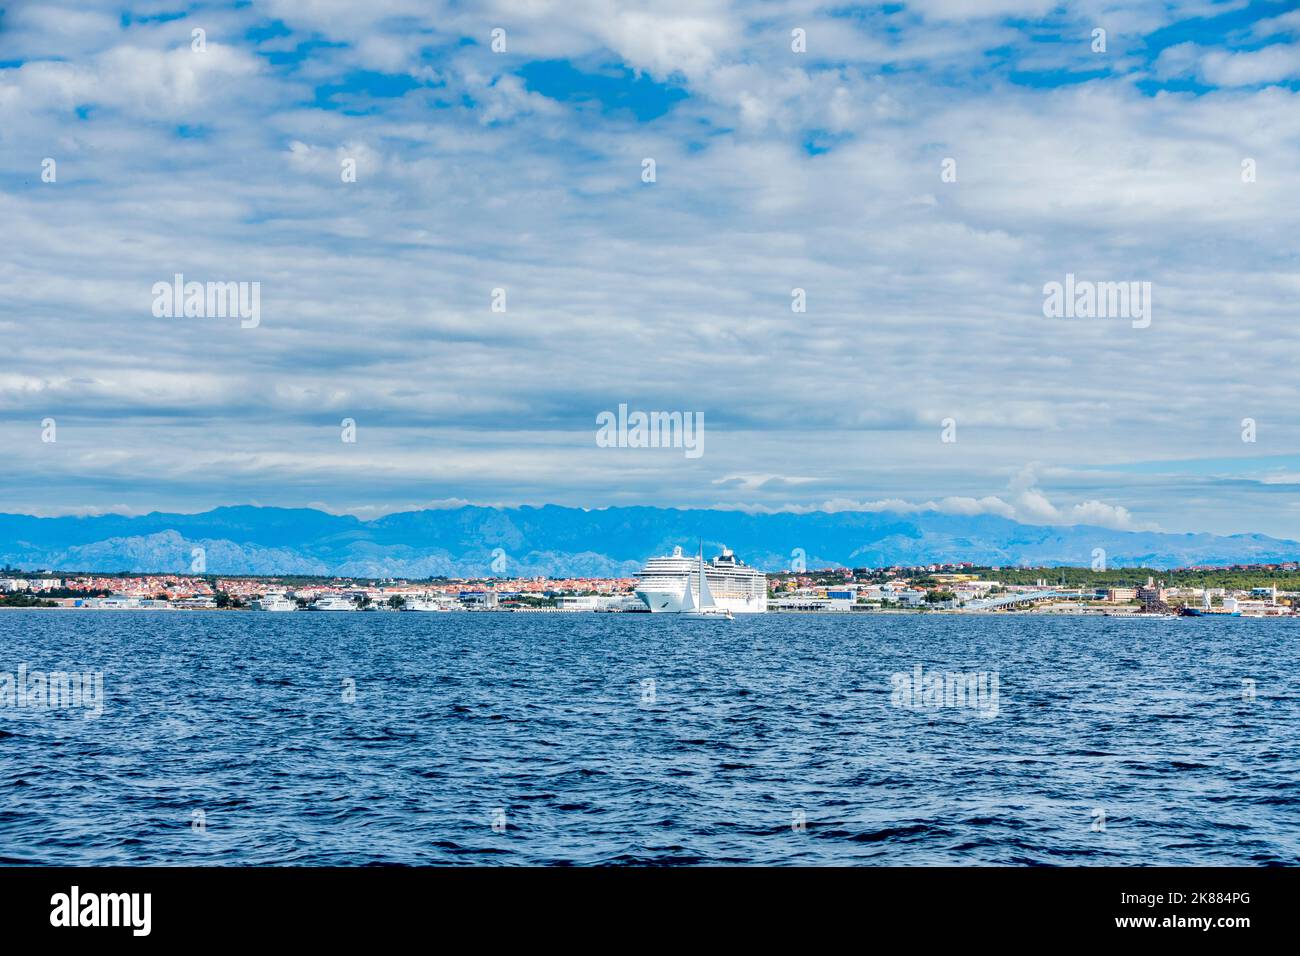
x=886, y=612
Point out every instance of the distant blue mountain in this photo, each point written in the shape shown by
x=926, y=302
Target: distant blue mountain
x=553, y=540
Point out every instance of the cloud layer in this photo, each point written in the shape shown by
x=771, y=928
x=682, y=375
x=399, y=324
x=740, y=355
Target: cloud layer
x=1169, y=158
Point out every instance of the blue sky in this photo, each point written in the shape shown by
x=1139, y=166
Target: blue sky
x=522, y=170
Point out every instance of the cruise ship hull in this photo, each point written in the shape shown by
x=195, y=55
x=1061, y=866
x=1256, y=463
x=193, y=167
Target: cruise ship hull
x=669, y=601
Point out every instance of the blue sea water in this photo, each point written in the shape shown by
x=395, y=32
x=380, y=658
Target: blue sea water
x=252, y=738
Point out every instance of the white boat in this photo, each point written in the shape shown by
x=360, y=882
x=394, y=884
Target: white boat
x=665, y=581
x=334, y=603
x=274, y=602
x=423, y=604
x=707, y=607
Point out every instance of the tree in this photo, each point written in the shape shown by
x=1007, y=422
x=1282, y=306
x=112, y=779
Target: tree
x=24, y=600
x=397, y=602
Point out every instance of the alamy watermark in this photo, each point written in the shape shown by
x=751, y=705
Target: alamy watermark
x=56, y=690
x=651, y=430
x=75, y=908
x=1082, y=299
x=210, y=300
x=924, y=690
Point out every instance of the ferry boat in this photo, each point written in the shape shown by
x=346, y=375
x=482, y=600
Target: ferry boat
x=664, y=582
x=424, y=604
x=274, y=602
x=334, y=603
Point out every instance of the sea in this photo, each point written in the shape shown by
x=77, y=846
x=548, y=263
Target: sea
x=577, y=739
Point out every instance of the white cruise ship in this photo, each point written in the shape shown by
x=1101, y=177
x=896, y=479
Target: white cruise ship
x=737, y=588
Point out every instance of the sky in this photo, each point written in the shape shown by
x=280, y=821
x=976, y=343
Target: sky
x=920, y=170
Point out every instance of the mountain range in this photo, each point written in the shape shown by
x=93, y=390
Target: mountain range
x=551, y=540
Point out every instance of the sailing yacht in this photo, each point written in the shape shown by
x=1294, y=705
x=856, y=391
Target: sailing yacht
x=707, y=607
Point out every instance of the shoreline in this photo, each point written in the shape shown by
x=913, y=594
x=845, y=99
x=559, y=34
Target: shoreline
x=892, y=612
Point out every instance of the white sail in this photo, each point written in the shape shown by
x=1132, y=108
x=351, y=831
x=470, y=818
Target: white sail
x=688, y=599
x=706, y=596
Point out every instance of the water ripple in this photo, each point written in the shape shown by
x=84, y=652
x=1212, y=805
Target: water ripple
x=353, y=739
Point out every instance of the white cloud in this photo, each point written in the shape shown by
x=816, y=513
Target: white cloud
x=981, y=9
x=747, y=483
x=147, y=84
x=1027, y=506
x=1270, y=64
x=665, y=42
